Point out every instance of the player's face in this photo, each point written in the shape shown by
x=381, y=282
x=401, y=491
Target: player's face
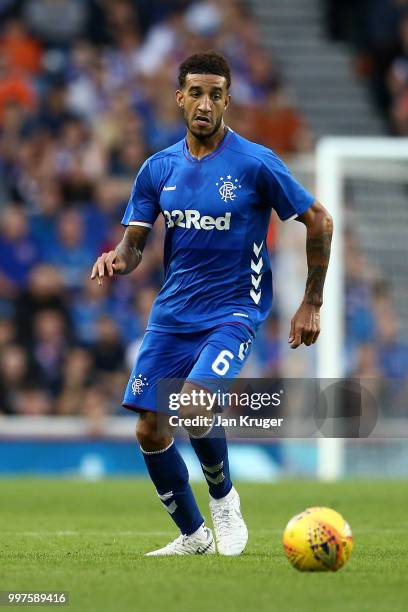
x=203, y=99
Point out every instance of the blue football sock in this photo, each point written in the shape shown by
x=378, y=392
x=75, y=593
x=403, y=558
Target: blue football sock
x=211, y=450
x=170, y=477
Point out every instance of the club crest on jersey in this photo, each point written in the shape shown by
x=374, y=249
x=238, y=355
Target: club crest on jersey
x=138, y=382
x=228, y=188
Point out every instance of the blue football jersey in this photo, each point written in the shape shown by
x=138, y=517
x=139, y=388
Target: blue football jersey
x=217, y=212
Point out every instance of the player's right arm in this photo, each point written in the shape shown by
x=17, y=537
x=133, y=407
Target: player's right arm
x=125, y=257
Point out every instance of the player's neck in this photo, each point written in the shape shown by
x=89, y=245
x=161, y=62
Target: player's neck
x=201, y=148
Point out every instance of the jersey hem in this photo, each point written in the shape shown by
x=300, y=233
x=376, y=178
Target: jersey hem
x=173, y=329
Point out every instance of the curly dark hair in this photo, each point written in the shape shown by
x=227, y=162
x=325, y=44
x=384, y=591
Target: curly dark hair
x=207, y=62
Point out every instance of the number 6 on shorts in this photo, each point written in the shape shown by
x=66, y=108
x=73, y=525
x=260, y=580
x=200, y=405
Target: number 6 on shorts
x=221, y=365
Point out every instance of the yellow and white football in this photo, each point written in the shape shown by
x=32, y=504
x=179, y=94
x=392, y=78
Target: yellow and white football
x=318, y=540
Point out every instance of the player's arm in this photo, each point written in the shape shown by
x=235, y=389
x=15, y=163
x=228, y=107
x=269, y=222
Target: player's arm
x=125, y=257
x=305, y=325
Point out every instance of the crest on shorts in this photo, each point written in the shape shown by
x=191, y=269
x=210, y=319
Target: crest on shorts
x=138, y=382
x=227, y=188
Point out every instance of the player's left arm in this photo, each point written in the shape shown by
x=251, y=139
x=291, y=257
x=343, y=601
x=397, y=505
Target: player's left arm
x=305, y=325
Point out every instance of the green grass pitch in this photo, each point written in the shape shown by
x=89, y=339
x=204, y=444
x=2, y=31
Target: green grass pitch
x=88, y=538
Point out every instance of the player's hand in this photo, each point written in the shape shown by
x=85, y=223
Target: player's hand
x=108, y=264
x=305, y=325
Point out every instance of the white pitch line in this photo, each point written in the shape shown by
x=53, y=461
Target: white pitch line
x=86, y=533
x=403, y=529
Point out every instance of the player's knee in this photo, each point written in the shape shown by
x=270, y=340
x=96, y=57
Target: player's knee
x=198, y=406
x=150, y=435
x=187, y=412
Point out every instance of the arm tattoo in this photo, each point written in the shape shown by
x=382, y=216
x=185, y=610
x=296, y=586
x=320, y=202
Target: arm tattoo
x=131, y=247
x=318, y=255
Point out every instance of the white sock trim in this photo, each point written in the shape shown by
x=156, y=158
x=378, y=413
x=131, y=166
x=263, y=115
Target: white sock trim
x=158, y=452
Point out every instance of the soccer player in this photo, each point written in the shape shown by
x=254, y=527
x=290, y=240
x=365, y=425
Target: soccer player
x=216, y=191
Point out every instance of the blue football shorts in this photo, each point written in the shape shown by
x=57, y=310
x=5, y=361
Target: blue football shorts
x=204, y=358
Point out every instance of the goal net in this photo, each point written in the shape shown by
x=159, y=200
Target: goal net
x=364, y=183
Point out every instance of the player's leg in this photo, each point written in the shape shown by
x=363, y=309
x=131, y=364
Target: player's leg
x=158, y=358
x=222, y=356
x=209, y=443
x=168, y=473
x=170, y=476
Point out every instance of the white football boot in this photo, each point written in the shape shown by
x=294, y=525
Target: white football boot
x=231, y=533
x=201, y=542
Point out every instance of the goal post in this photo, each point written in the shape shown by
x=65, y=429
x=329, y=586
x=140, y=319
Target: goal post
x=332, y=155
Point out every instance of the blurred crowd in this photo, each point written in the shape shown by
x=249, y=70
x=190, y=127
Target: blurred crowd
x=378, y=32
x=86, y=94
x=376, y=350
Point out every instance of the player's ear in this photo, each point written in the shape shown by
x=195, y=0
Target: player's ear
x=180, y=98
x=227, y=101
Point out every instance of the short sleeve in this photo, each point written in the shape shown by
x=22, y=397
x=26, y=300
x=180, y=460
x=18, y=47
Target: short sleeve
x=143, y=207
x=280, y=190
